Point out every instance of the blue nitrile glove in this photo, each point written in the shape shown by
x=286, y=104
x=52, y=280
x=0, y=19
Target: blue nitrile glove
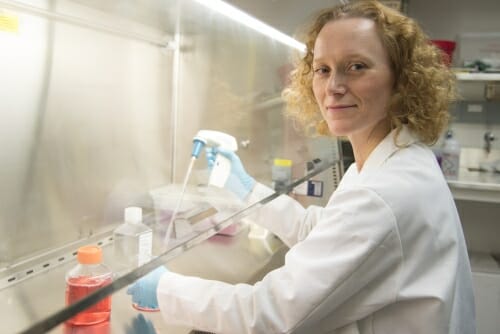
x=143, y=291
x=239, y=182
x=140, y=325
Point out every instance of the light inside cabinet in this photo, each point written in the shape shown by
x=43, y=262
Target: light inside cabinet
x=235, y=14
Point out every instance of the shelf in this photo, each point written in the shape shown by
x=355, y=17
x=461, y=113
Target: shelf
x=463, y=76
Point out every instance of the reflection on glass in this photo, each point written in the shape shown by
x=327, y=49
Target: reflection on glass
x=101, y=328
x=140, y=325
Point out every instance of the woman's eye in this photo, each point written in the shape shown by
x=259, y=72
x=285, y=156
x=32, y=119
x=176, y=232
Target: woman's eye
x=356, y=66
x=321, y=70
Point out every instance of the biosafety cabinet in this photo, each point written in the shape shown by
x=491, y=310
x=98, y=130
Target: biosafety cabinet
x=100, y=101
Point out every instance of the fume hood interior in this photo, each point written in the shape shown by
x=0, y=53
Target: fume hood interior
x=100, y=102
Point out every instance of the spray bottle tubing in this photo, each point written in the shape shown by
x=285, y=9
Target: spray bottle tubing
x=171, y=233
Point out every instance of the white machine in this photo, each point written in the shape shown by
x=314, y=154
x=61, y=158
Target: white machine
x=222, y=166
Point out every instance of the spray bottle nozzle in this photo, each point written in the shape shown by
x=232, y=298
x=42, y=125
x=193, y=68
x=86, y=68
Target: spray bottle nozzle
x=198, y=144
x=222, y=165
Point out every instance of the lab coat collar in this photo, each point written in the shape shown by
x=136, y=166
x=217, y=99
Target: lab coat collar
x=387, y=147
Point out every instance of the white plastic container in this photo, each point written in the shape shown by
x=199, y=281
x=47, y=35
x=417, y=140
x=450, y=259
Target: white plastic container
x=450, y=157
x=133, y=240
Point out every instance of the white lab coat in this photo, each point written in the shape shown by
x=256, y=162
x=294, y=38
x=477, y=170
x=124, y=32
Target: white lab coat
x=385, y=256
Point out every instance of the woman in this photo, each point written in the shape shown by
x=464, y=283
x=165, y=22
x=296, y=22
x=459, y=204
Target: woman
x=387, y=253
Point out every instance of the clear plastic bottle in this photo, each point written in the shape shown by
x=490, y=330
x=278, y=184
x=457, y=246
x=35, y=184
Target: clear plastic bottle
x=88, y=276
x=450, y=157
x=133, y=240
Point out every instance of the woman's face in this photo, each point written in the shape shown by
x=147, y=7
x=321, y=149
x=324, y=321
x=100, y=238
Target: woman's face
x=352, y=80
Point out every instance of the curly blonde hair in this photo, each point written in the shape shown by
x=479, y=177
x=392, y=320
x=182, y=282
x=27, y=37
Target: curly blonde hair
x=424, y=84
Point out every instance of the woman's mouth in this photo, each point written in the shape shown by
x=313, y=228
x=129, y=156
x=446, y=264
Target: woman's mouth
x=339, y=107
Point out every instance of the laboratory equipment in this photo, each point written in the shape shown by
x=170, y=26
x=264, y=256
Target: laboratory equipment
x=171, y=232
x=239, y=181
x=447, y=47
x=133, y=240
x=281, y=173
x=220, y=171
x=450, y=157
x=88, y=276
x=222, y=165
x=488, y=138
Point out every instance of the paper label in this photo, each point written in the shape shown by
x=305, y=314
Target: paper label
x=9, y=22
x=145, y=246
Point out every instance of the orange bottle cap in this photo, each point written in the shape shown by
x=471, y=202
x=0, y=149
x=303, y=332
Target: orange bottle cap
x=89, y=254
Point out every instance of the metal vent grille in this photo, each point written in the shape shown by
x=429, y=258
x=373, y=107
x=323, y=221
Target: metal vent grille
x=43, y=263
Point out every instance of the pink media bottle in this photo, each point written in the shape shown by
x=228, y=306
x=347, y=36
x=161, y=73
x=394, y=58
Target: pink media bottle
x=88, y=276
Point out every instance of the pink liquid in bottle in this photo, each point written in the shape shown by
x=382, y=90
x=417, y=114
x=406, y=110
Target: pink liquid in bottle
x=79, y=287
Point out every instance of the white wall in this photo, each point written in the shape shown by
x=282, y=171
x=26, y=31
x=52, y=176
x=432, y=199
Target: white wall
x=445, y=19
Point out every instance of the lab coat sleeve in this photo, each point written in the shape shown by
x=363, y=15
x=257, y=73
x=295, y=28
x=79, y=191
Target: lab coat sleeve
x=344, y=270
x=284, y=216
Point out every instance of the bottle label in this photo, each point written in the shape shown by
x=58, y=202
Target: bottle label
x=145, y=246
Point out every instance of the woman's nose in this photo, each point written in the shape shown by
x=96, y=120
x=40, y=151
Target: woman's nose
x=336, y=84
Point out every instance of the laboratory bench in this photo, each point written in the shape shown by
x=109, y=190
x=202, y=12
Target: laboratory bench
x=477, y=193
x=474, y=183
x=230, y=258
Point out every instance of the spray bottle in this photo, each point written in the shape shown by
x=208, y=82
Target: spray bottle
x=220, y=171
x=222, y=166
